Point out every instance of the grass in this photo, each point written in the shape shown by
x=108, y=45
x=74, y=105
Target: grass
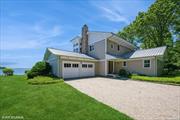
x=50, y=102
x=165, y=80
x=44, y=80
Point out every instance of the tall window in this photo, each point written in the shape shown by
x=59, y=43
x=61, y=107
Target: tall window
x=124, y=64
x=147, y=63
x=118, y=47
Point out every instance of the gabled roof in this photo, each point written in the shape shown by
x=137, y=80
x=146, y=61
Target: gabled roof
x=105, y=35
x=68, y=53
x=159, y=51
x=111, y=35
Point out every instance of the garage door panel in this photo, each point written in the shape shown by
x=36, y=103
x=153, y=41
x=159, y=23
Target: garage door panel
x=87, y=69
x=73, y=69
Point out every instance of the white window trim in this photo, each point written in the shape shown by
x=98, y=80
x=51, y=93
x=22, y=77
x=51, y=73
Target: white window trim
x=149, y=63
x=123, y=64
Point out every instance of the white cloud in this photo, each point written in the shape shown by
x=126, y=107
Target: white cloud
x=114, y=15
x=112, y=10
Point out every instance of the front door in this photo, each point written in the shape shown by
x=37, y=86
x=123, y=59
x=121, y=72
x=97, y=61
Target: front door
x=110, y=66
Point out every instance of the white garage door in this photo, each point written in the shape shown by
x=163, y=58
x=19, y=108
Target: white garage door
x=87, y=69
x=70, y=69
x=73, y=69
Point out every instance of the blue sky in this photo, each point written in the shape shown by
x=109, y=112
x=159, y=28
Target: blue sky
x=28, y=27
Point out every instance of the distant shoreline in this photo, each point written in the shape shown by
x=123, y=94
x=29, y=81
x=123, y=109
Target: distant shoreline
x=17, y=71
x=2, y=67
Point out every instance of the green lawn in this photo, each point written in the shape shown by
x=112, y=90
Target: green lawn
x=50, y=102
x=165, y=80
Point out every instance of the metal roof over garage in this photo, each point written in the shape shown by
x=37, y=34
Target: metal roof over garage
x=69, y=53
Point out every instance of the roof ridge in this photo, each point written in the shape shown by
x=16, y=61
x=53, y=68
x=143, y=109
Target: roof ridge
x=101, y=31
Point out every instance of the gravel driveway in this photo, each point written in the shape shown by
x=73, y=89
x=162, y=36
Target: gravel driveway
x=140, y=100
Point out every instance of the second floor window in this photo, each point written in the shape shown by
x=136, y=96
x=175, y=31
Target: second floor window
x=76, y=44
x=91, y=47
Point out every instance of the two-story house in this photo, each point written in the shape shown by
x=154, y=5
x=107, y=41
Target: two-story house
x=102, y=53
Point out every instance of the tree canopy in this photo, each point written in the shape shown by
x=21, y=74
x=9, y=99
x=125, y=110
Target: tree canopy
x=158, y=26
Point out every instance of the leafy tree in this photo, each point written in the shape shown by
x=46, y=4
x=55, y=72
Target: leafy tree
x=159, y=26
x=40, y=68
x=8, y=71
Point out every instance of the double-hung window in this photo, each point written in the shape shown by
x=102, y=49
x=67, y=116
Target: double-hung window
x=147, y=64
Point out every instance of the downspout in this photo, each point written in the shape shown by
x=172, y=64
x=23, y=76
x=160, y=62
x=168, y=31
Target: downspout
x=105, y=57
x=59, y=75
x=155, y=66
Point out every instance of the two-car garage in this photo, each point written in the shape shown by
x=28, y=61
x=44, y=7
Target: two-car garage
x=68, y=64
x=73, y=69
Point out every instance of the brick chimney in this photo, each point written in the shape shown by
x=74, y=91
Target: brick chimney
x=84, y=39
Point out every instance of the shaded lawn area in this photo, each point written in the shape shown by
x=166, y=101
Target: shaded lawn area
x=165, y=80
x=50, y=102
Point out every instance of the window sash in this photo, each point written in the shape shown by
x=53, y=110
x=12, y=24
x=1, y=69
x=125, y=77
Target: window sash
x=147, y=64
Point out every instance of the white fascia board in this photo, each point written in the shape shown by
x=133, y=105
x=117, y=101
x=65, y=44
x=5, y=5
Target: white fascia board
x=77, y=58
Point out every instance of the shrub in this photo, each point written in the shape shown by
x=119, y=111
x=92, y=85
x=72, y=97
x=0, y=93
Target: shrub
x=124, y=73
x=8, y=71
x=39, y=69
x=44, y=80
x=31, y=74
x=26, y=71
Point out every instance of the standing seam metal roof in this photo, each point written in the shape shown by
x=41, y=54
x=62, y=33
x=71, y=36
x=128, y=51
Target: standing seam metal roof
x=140, y=53
x=69, y=53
